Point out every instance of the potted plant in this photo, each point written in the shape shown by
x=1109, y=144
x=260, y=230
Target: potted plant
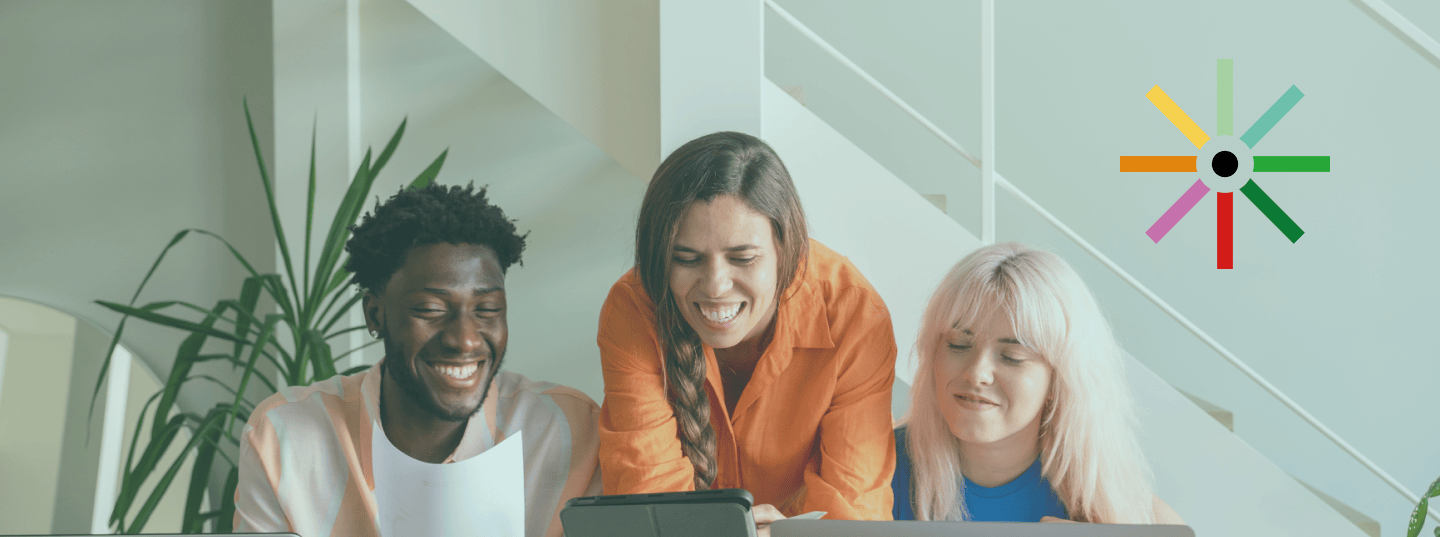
x=311, y=304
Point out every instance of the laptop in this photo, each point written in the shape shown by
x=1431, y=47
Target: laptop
x=911, y=528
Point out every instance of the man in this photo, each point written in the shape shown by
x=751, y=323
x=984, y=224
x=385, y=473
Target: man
x=432, y=264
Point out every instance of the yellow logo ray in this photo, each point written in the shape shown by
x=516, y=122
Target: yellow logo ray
x=1177, y=116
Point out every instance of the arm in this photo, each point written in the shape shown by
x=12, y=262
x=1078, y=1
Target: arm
x=583, y=478
x=257, y=508
x=857, y=444
x=639, y=451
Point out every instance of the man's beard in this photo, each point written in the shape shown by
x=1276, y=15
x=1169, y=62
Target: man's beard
x=395, y=367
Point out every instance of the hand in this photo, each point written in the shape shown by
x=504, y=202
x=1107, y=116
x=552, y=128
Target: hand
x=1051, y=519
x=765, y=514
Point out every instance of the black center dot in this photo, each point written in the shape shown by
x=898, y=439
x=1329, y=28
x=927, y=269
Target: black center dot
x=1224, y=163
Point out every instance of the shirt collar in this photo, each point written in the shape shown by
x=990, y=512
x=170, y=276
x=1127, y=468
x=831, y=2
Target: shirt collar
x=480, y=432
x=804, y=315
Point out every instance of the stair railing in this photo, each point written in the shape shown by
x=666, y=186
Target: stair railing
x=988, y=232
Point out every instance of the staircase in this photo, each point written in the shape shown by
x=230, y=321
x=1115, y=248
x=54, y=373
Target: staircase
x=594, y=65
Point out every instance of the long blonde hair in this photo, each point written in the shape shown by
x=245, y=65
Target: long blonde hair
x=1088, y=448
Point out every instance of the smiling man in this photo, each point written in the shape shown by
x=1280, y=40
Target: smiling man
x=432, y=265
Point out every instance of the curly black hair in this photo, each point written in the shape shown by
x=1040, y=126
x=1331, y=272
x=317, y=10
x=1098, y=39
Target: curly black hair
x=429, y=215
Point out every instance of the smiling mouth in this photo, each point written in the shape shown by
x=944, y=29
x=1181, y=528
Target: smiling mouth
x=462, y=373
x=975, y=402
x=720, y=317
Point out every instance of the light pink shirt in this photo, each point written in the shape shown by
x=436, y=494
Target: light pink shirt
x=305, y=462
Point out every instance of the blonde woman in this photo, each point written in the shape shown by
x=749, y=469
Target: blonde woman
x=1020, y=411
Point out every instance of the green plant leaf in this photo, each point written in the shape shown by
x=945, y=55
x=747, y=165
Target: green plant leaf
x=232, y=441
x=224, y=522
x=339, y=229
x=120, y=329
x=354, y=350
x=349, y=211
x=117, y=514
x=185, y=360
x=340, y=314
x=156, y=306
x=230, y=305
x=250, y=269
x=143, y=516
x=249, y=298
x=330, y=305
x=1434, y=489
x=276, y=288
x=339, y=277
x=135, y=478
x=339, y=333
x=267, y=331
x=199, y=478
x=310, y=203
x=222, y=385
x=243, y=315
x=389, y=148
x=270, y=198
x=166, y=320
x=324, y=363
x=300, y=303
x=428, y=176
x=1417, y=517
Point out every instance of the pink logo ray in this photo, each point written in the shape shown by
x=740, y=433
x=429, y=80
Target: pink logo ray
x=1177, y=211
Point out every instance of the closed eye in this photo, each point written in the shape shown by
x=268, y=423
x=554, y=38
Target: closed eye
x=958, y=346
x=1011, y=359
x=687, y=262
x=743, y=260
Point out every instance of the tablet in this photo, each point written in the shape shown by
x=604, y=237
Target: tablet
x=701, y=513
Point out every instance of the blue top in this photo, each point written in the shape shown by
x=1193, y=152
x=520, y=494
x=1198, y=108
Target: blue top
x=1025, y=499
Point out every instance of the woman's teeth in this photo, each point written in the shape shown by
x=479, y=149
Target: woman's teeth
x=458, y=372
x=721, y=315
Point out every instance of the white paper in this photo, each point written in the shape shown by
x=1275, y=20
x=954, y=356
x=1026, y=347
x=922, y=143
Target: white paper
x=481, y=495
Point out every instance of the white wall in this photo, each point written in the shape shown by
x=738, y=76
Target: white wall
x=577, y=203
x=121, y=126
x=593, y=63
x=1326, y=319
x=32, y=412
x=47, y=461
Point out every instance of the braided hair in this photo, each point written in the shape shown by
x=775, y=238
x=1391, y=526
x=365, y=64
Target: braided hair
x=723, y=163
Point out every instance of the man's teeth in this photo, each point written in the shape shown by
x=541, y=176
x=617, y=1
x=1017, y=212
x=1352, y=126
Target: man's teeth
x=722, y=315
x=458, y=372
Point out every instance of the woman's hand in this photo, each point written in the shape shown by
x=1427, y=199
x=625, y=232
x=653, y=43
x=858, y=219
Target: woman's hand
x=765, y=514
x=1053, y=519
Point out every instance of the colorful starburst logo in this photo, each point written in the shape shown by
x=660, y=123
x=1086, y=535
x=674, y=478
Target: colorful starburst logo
x=1227, y=155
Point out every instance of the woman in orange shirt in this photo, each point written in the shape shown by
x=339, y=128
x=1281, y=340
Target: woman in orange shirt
x=738, y=353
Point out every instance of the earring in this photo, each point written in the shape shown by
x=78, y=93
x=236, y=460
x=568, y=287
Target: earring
x=374, y=334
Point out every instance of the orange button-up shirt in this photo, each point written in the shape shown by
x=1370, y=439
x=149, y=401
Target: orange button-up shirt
x=812, y=429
